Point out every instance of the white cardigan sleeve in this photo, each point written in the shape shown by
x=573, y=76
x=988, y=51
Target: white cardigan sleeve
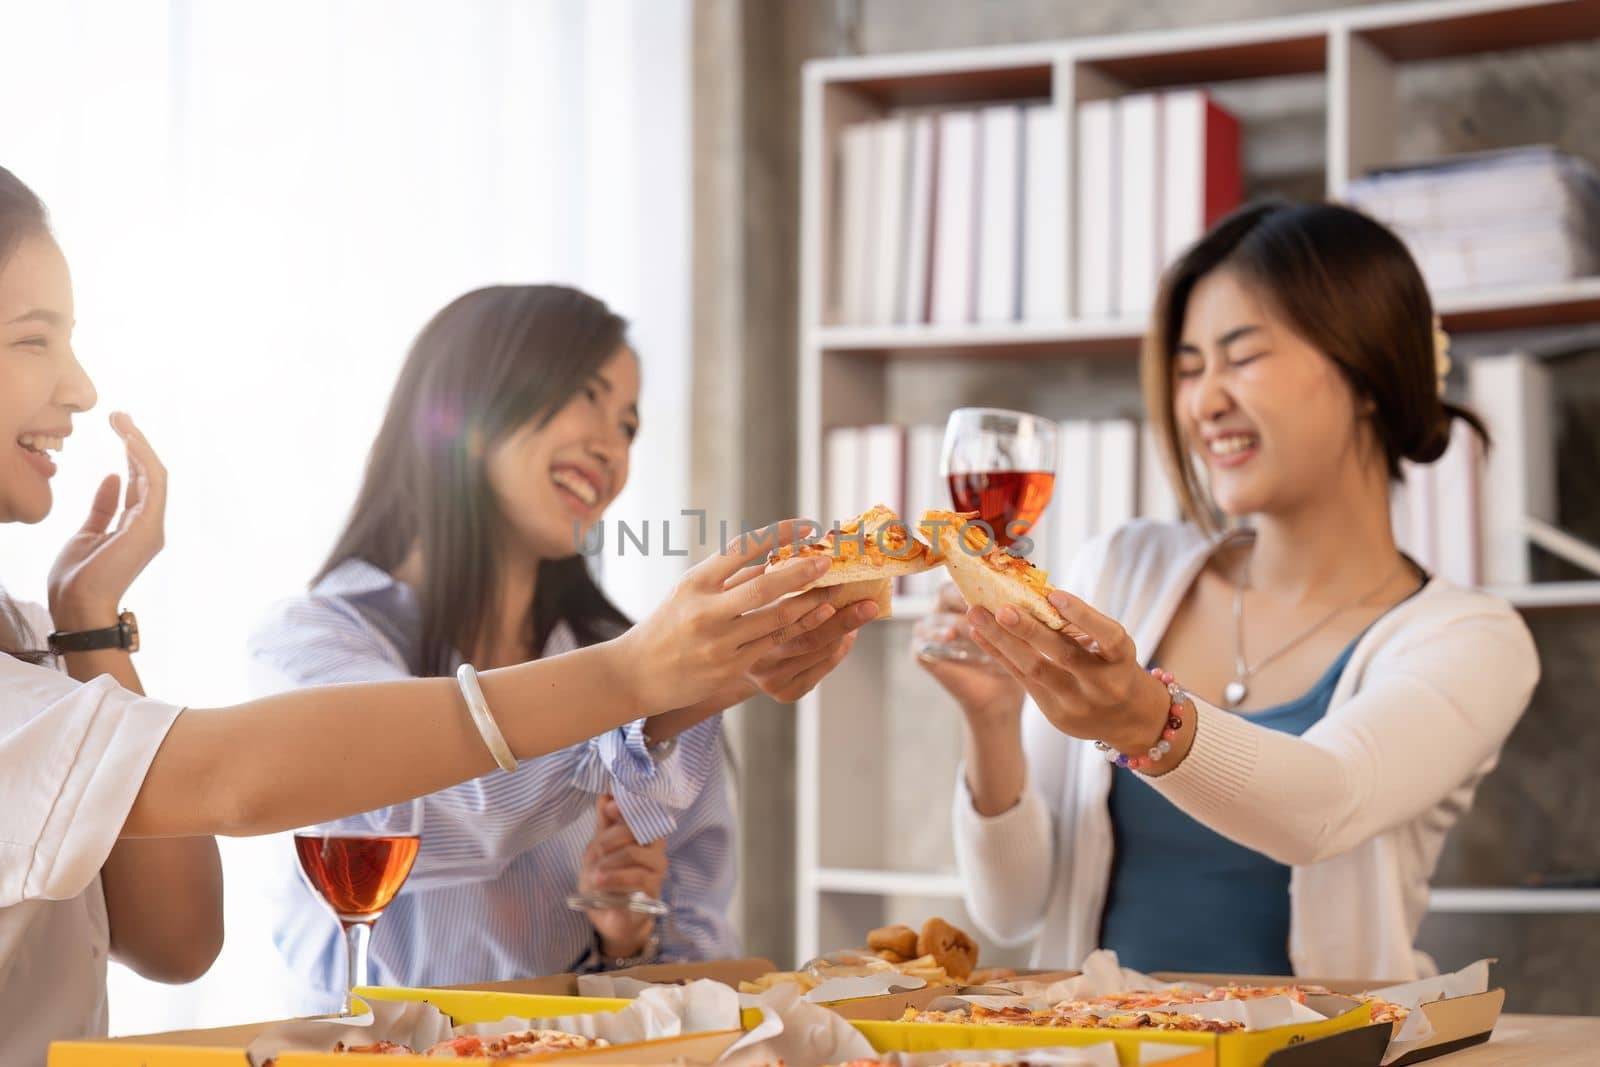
x=74, y=756
x=1008, y=861
x=1432, y=709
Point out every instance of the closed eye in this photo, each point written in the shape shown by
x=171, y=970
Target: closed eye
x=631, y=429
x=37, y=342
x=1244, y=360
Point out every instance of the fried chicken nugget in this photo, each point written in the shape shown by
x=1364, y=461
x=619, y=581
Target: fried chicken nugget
x=950, y=946
x=901, y=940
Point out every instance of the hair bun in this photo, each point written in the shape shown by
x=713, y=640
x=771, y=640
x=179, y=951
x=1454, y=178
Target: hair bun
x=1435, y=439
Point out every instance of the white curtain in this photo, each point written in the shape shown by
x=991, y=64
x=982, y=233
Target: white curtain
x=262, y=201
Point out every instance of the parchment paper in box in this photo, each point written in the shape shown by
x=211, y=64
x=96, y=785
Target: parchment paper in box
x=795, y=1033
x=1449, y=1011
x=659, y=1012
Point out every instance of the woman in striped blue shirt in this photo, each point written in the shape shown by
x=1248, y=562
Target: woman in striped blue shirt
x=506, y=438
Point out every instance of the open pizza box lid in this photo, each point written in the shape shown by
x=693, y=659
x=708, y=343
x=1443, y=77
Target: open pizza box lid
x=1458, y=1022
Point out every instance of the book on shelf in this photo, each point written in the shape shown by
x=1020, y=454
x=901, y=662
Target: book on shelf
x=842, y=452
x=1139, y=198
x=890, y=156
x=1156, y=498
x=999, y=236
x=852, y=296
x=1044, y=215
x=1075, y=501
x=1512, y=394
x=918, y=247
x=1455, y=492
x=1202, y=175
x=1155, y=171
x=1523, y=216
x=1095, y=269
x=955, y=219
x=1435, y=509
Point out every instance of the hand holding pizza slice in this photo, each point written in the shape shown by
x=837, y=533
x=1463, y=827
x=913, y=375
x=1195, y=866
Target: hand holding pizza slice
x=867, y=552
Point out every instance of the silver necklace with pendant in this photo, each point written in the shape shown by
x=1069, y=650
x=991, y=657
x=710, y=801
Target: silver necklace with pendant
x=1238, y=690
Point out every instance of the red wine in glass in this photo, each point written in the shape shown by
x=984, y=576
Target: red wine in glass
x=358, y=865
x=357, y=875
x=1010, y=502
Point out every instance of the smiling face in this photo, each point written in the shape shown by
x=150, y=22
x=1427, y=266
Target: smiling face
x=1271, y=418
x=546, y=478
x=41, y=383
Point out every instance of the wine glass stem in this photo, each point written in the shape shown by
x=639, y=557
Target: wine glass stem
x=356, y=937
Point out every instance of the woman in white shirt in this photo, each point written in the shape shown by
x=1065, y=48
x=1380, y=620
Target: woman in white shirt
x=1335, y=706
x=107, y=797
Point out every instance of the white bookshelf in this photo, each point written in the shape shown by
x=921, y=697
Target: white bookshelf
x=878, y=743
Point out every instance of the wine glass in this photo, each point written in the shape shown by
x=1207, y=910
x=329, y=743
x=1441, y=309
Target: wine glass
x=1002, y=465
x=357, y=865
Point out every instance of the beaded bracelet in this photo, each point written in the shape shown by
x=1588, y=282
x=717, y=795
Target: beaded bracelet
x=1168, y=733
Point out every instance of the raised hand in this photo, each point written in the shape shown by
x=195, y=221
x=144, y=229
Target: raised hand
x=793, y=669
x=983, y=690
x=718, y=624
x=100, y=561
x=1092, y=687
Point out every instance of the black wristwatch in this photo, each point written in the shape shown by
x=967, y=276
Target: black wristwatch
x=124, y=635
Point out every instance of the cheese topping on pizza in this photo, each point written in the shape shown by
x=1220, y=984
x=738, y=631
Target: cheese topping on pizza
x=980, y=544
x=877, y=536
x=1076, y=1018
x=473, y=1047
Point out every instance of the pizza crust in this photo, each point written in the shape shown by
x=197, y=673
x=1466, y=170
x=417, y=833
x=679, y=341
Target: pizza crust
x=984, y=587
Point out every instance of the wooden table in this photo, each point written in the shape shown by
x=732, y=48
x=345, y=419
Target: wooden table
x=1535, y=1041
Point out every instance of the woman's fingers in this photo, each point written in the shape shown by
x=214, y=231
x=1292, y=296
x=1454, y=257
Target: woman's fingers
x=745, y=549
x=823, y=636
x=766, y=629
x=611, y=838
x=626, y=880
x=147, y=478
x=1028, y=661
x=104, y=507
x=790, y=576
x=818, y=668
x=651, y=858
x=1114, y=644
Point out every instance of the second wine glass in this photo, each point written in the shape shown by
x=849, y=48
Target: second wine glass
x=1002, y=465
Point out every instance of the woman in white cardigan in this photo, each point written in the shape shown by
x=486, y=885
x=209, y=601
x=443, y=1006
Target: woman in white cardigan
x=1335, y=707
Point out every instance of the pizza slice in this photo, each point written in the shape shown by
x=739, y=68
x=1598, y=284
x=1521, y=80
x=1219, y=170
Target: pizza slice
x=523, y=1043
x=987, y=575
x=868, y=552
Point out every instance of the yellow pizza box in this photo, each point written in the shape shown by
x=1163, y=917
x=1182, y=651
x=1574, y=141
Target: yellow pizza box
x=536, y=997
x=880, y=1024
x=1458, y=1022
x=224, y=1047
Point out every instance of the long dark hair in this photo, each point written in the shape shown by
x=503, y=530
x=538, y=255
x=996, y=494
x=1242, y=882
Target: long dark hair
x=22, y=215
x=1344, y=283
x=484, y=366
